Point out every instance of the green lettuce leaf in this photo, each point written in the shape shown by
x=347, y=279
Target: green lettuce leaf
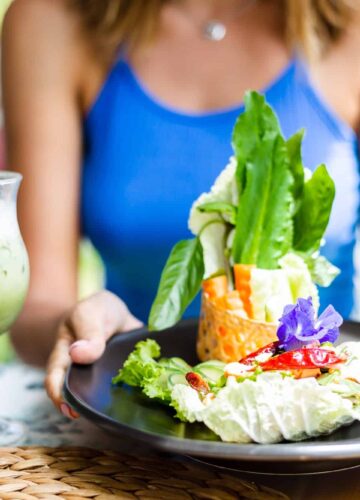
x=264, y=219
x=297, y=168
x=322, y=271
x=156, y=378
x=140, y=365
x=313, y=215
x=179, y=284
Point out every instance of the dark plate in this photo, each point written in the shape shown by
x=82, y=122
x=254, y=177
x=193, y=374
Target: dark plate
x=124, y=410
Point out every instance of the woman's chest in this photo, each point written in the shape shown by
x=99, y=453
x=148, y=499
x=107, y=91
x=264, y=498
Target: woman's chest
x=145, y=164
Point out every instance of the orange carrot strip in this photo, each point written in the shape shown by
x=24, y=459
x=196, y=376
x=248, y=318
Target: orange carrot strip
x=216, y=287
x=233, y=300
x=242, y=273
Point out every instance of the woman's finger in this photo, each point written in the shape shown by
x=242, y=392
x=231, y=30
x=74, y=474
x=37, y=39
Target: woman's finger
x=57, y=365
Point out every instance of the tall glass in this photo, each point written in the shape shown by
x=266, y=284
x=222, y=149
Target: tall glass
x=14, y=273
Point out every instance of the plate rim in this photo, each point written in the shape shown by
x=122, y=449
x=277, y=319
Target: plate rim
x=304, y=451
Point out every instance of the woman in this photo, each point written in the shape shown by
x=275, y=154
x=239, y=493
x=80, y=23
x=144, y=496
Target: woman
x=120, y=113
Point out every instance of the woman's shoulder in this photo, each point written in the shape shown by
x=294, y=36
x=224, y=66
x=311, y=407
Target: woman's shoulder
x=45, y=39
x=44, y=28
x=41, y=17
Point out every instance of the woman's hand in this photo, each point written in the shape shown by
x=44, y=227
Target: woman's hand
x=82, y=336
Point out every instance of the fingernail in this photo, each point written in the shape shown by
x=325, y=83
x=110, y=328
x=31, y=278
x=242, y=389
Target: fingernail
x=67, y=411
x=78, y=343
x=74, y=414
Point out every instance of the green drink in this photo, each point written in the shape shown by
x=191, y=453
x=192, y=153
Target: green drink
x=14, y=276
x=14, y=265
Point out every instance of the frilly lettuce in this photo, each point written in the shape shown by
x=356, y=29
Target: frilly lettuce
x=156, y=376
x=140, y=365
x=141, y=369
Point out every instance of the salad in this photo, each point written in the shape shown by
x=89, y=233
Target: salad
x=298, y=387
x=257, y=233
x=269, y=370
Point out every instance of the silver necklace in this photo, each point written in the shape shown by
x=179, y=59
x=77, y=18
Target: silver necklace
x=216, y=30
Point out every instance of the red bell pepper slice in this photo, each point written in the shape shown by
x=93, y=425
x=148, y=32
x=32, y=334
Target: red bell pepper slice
x=304, y=358
x=197, y=383
x=268, y=349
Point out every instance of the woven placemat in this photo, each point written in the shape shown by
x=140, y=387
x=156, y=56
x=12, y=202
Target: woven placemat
x=78, y=473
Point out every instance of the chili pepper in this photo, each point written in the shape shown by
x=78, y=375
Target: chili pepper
x=303, y=358
x=268, y=349
x=197, y=383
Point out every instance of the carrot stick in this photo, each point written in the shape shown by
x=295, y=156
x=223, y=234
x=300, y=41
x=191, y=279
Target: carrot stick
x=242, y=273
x=216, y=287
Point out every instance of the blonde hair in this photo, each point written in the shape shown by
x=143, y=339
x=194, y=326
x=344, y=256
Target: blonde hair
x=312, y=25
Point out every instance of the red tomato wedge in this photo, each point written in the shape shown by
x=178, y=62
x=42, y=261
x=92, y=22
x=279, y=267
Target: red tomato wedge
x=304, y=358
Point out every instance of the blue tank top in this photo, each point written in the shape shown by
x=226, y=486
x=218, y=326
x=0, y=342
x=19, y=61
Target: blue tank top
x=145, y=163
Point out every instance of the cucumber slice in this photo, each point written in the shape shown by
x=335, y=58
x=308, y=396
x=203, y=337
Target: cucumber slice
x=180, y=364
x=175, y=364
x=211, y=370
x=176, y=378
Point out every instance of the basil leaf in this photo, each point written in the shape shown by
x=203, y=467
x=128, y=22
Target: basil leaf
x=296, y=165
x=264, y=225
x=179, y=283
x=220, y=207
x=313, y=215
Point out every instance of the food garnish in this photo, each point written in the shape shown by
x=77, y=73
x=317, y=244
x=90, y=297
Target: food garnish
x=257, y=233
x=256, y=256
x=298, y=326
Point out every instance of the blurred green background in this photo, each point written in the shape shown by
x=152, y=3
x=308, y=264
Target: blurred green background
x=3, y=6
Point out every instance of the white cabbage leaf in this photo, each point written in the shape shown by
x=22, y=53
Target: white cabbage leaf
x=299, y=277
x=271, y=409
x=270, y=293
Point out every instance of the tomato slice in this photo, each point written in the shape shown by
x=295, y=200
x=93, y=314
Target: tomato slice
x=303, y=358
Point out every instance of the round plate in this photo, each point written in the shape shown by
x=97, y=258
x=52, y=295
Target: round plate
x=124, y=410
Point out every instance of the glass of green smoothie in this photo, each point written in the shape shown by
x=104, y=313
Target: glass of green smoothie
x=14, y=273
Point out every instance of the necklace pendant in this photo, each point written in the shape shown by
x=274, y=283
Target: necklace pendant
x=214, y=31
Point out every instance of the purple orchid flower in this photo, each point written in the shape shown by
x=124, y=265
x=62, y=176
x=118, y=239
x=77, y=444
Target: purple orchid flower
x=299, y=327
